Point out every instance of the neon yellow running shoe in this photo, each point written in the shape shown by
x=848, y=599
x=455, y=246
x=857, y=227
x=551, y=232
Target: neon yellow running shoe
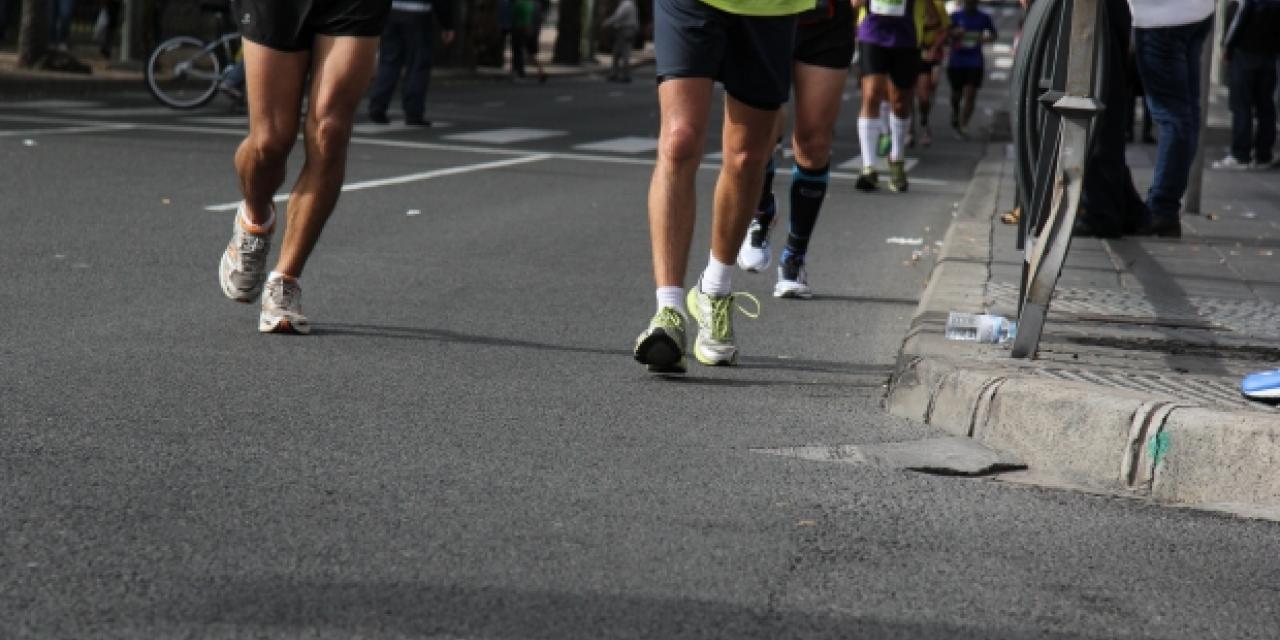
x=662, y=345
x=714, y=345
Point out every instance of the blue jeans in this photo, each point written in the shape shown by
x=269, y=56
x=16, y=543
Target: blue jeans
x=1169, y=62
x=406, y=48
x=1253, y=83
x=60, y=20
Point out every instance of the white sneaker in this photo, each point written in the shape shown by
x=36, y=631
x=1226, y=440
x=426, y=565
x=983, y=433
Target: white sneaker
x=282, y=307
x=715, y=345
x=793, y=280
x=1230, y=163
x=243, y=267
x=755, y=254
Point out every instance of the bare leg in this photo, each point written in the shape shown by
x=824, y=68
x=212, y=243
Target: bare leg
x=685, y=104
x=341, y=70
x=274, y=81
x=817, y=105
x=874, y=90
x=748, y=139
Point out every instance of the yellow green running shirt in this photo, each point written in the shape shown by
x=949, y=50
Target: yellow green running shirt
x=763, y=7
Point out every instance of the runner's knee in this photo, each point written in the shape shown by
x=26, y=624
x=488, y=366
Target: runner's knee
x=330, y=136
x=681, y=143
x=271, y=143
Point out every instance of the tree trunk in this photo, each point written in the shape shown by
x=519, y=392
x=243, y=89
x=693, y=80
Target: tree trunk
x=569, y=33
x=33, y=32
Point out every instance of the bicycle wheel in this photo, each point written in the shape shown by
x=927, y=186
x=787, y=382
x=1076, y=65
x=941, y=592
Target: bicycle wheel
x=183, y=73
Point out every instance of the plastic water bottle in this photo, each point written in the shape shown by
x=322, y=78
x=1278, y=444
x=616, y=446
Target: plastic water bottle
x=983, y=327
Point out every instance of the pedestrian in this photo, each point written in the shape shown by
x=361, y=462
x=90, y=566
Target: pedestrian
x=1138, y=99
x=1250, y=45
x=405, y=52
x=522, y=36
x=1168, y=38
x=971, y=28
x=890, y=57
x=625, y=22
x=327, y=50
x=60, y=23
x=933, y=37
x=746, y=46
x=822, y=54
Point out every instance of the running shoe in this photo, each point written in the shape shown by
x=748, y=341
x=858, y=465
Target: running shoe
x=243, y=267
x=868, y=180
x=962, y=132
x=884, y=144
x=755, y=254
x=714, y=345
x=793, y=279
x=1230, y=163
x=898, y=176
x=926, y=137
x=662, y=345
x=282, y=307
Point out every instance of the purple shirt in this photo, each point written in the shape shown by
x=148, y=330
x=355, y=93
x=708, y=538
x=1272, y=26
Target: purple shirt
x=886, y=29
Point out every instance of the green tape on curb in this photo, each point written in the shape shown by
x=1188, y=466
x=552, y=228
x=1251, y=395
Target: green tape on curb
x=1158, y=448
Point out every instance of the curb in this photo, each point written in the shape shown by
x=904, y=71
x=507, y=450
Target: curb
x=1085, y=435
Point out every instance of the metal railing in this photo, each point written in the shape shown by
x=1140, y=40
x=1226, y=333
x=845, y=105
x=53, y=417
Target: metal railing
x=1057, y=77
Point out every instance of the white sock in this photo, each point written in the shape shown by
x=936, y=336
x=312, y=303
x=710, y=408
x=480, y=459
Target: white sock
x=671, y=297
x=885, y=110
x=244, y=217
x=898, y=128
x=868, y=132
x=276, y=275
x=717, y=280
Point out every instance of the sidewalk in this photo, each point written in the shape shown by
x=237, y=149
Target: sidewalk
x=18, y=83
x=1136, y=386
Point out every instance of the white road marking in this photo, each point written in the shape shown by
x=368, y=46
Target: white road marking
x=999, y=76
x=506, y=136
x=1001, y=47
x=1004, y=62
x=625, y=144
x=118, y=112
x=405, y=179
x=98, y=128
x=882, y=164
x=373, y=128
x=46, y=105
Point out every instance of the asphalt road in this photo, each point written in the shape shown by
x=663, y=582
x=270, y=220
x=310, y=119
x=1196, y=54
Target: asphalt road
x=464, y=447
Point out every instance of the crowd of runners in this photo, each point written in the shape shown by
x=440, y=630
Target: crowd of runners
x=762, y=51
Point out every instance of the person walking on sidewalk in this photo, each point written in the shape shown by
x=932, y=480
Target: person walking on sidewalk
x=625, y=22
x=746, y=45
x=333, y=45
x=1168, y=38
x=1250, y=46
x=823, y=52
x=970, y=29
x=523, y=36
x=890, y=63
x=406, y=49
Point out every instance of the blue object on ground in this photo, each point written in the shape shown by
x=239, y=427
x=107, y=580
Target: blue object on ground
x=1264, y=385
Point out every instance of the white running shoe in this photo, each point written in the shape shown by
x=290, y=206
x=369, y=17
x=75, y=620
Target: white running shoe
x=793, y=279
x=243, y=267
x=755, y=254
x=1230, y=163
x=282, y=307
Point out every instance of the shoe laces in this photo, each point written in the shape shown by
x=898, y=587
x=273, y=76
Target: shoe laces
x=668, y=316
x=722, y=307
x=284, y=294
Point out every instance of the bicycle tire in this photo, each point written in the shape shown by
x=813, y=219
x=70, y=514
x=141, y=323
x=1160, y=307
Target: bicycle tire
x=166, y=67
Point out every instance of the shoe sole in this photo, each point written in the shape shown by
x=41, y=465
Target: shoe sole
x=898, y=188
x=283, y=325
x=867, y=187
x=715, y=362
x=661, y=353
x=793, y=294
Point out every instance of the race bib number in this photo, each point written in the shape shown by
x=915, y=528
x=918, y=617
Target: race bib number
x=897, y=8
x=971, y=39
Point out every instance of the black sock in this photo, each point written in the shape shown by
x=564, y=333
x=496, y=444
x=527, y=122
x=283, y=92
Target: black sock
x=766, y=209
x=808, y=190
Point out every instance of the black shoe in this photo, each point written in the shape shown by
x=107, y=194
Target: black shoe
x=380, y=118
x=1148, y=139
x=1161, y=228
x=417, y=122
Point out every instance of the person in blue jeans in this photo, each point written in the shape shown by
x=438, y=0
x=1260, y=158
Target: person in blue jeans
x=1250, y=46
x=1169, y=36
x=405, y=50
x=60, y=23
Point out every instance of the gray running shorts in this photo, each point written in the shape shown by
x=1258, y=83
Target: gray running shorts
x=750, y=55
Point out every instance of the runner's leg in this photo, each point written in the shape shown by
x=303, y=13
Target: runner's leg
x=817, y=95
x=274, y=81
x=748, y=138
x=685, y=105
x=340, y=73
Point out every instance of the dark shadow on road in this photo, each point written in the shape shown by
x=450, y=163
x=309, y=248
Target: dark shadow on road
x=289, y=607
x=740, y=383
x=824, y=297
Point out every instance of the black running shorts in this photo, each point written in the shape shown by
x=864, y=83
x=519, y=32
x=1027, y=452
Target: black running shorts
x=292, y=25
x=826, y=40
x=901, y=64
x=750, y=55
x=959, y=77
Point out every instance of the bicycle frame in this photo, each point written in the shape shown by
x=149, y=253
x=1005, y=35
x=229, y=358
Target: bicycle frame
x=228, y=52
